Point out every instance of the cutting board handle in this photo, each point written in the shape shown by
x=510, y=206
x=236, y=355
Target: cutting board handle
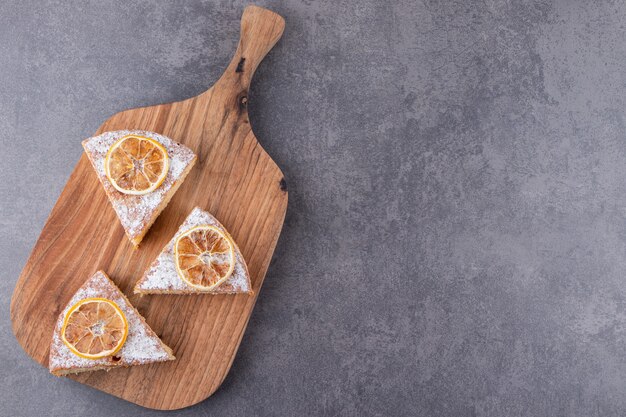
x=260, y=30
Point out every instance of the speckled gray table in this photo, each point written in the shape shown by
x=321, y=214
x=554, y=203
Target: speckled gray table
x=455, y=243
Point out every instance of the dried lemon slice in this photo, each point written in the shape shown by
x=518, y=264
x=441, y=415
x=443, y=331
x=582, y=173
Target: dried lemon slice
x=94, y=328
x=136, y=164
x=204, y=257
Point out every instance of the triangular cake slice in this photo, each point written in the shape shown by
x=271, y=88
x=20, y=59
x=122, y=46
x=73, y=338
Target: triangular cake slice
x=138, y=212
x=162, y=276
x=142, y=345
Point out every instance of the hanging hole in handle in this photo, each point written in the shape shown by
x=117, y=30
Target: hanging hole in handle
x=243, y=101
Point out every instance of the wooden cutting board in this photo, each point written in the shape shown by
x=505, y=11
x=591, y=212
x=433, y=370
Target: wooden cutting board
x=233, y=178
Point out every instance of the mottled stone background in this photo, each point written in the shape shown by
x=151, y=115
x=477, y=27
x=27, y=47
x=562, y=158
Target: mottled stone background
x=455, y=240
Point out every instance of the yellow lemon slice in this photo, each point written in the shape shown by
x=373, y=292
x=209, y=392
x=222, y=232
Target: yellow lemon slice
x=204, y=257
x=94, y=328
x=136, y=164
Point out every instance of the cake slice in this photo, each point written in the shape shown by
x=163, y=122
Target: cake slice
x=140, y=172
x=163, y=276
x=100, y=329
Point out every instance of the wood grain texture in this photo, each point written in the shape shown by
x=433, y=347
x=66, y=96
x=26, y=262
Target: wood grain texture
x=234, y=179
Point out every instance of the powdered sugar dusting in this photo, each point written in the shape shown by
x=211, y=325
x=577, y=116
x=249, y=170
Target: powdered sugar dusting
x=135, y=211
x=142, y=346
x=162, y=274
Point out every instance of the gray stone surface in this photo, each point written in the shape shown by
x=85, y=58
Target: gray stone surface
x=455, y=241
